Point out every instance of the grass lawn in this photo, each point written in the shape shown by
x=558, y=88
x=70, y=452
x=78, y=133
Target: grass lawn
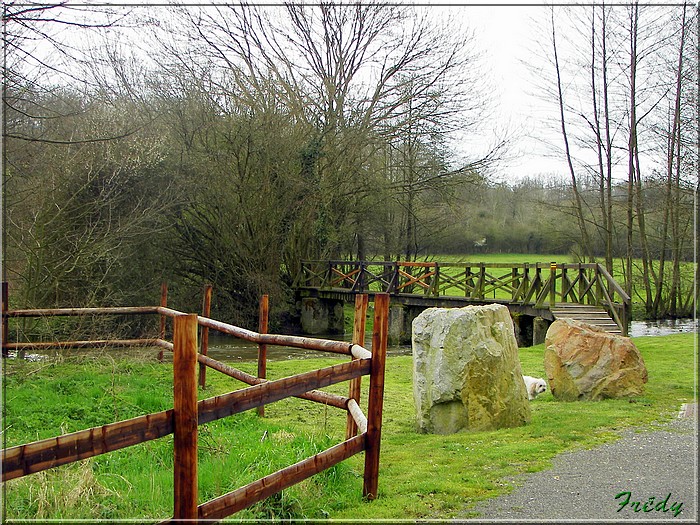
x=421, y=475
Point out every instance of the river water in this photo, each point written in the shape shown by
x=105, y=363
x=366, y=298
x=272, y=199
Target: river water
x=232, y=350
x=662, y=327
x=228, y=349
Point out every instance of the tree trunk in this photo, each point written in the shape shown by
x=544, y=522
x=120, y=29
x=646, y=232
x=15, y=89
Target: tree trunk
x=631, y=145
x=586, y=245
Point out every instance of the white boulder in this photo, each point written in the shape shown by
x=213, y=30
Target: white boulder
x=466, y=370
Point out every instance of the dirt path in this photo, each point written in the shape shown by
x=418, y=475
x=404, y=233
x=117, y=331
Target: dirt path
x=646, y=475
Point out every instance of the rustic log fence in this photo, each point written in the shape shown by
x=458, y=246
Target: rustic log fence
x=542, y=285
x=363, y=431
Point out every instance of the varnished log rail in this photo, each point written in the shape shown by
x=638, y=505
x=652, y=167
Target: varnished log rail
x=188, y=413
x=206, y=310
x=537, y=285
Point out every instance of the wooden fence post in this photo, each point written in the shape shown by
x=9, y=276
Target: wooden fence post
x=376, y=396
x=552, y=283
x=206, y=312
x=436, y=281
x=358, y=338
x=625, y=317
x=565, y=283
x=481, y=283
x=163, y=303
x=263, y=318
x=5, y=308
x=395, y=277
x=468, y=282
x=185, y=416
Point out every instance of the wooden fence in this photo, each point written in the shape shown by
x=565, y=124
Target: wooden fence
x=363, y=431
x=541, y=285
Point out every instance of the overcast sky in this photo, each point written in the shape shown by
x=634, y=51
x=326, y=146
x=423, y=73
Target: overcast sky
x=509, y=37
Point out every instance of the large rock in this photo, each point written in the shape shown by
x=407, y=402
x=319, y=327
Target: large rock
x=587, y=363
x=466, y=370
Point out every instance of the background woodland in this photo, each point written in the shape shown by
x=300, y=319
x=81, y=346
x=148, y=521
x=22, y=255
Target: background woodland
x=226, y=144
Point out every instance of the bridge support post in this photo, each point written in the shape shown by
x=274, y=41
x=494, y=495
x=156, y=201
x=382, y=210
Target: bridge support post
x=401, y=321
x=523, y=328
x=397, y=324
x=322, y=316
x=539, y=330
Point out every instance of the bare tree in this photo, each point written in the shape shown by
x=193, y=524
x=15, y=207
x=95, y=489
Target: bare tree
x=633, y=85
x=359, y=77
x=599, y=44
x=82, y=193
x=42, y=55
x=578, y=200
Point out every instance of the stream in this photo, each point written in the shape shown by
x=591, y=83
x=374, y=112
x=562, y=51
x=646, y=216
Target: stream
x=232, y=350
x=662, y=327
x=228, y=349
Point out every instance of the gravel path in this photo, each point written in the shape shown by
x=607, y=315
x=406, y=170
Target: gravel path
x=594, y=484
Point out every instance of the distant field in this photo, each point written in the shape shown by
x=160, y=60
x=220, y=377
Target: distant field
x=518, y=258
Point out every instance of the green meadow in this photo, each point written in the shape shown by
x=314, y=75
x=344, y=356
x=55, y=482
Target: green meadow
x=422, y=476
x=500, y=258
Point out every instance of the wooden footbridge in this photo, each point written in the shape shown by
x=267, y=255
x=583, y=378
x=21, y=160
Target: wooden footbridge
x=537, y=291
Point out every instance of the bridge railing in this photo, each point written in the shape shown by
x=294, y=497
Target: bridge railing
x=540, y=284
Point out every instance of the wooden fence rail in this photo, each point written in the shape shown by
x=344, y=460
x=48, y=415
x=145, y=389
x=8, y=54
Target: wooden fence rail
x=188, y=413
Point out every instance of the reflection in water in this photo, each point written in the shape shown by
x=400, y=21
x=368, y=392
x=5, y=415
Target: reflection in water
x=662, y=327
x=227, y=348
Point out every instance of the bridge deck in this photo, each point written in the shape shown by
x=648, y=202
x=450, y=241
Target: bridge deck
x=594, y=315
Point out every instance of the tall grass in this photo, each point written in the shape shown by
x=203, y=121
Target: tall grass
x=49, y=399
x=421, y=475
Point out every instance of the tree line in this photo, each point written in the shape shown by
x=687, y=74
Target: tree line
x=236, y=141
